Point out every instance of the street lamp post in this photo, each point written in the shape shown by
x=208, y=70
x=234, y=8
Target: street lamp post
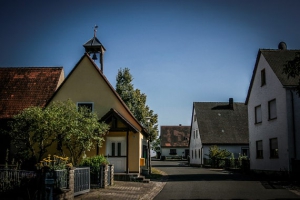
x=149, y=156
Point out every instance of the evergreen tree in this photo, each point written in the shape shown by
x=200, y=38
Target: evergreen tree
x=136, y=102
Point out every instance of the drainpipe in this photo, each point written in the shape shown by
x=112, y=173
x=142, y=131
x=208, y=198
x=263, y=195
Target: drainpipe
x=127, y=152
x=294, y=128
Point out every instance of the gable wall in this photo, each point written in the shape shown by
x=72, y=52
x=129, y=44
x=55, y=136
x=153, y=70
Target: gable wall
x=195, y=142
x=85, y=84
x=276, y=128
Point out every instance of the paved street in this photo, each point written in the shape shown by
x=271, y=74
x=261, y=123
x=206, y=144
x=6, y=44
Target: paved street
x=186, y=182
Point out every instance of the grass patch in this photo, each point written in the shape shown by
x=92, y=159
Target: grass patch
x=155, y=174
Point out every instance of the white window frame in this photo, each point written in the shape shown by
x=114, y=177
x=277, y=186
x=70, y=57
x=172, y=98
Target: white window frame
x=272, y=109
x=258, y=114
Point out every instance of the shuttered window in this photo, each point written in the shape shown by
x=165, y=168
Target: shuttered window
x=272, y=109
x=274, y=148
x=259, y=149
x=258, y=118
x=263, y=77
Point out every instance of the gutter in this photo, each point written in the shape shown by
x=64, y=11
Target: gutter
x=293, y=126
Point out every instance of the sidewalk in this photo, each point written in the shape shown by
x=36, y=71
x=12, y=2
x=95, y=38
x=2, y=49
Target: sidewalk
x=126, y=190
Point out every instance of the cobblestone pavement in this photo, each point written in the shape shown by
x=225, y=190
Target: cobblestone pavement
x=126, y=190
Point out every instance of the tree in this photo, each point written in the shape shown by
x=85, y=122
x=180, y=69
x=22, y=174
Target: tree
x=36, y=129
x=215, y=154
x=292, y=69
x=155, y=144
x=136, y=102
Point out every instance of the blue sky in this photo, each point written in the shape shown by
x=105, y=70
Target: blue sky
x=178, y=51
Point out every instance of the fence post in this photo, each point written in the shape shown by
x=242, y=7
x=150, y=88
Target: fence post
x=112, y=174
x=105, y=175
x=69, y=194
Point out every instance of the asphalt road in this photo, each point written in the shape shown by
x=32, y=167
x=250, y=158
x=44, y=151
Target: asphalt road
x=185, y=182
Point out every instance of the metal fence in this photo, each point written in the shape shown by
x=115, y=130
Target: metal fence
x=81, y=180
x=62, y=178
x=10, y=178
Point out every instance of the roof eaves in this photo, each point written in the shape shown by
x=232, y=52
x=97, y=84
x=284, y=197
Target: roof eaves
x=253, y=76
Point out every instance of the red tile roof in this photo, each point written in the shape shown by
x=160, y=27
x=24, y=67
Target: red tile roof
x=23, y=87
x=174, y=136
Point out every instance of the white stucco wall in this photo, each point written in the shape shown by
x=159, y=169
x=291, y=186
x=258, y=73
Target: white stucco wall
x=195, y=142
x=276, y=128
x=166, y=151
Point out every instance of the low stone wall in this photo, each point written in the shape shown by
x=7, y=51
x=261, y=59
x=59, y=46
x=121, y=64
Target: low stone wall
x=68, y=194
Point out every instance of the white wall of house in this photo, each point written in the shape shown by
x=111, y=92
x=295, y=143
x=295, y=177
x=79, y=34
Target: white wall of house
x=195, y=142
x=180, y=151
x=268, y=129
x=118, y=162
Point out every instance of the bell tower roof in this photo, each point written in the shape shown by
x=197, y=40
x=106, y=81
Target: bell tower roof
x=94, y=44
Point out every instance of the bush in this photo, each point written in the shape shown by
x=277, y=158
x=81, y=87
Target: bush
x=94, y=162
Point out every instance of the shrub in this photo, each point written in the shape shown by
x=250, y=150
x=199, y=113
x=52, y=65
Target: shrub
x=94, y=162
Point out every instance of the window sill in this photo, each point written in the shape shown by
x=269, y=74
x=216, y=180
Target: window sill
x=272, y=119
x=274, y=157
x=256, y=123
x=259, y=157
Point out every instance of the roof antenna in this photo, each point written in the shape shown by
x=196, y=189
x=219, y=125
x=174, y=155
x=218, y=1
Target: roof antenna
x=95, y=30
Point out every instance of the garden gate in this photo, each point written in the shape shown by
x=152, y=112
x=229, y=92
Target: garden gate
x=81, y=180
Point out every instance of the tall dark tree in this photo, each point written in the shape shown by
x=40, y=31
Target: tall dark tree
x=136, y=102
x=292, y=70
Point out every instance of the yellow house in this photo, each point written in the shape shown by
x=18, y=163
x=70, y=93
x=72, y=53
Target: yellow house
x=126, y=142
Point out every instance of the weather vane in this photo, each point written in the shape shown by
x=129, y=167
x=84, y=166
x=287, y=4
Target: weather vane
x=95, y=30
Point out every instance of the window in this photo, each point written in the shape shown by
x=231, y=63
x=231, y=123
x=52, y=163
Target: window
x=194, y=117
x=263, y=77
x=259, y=149
x=194, y=133
x=88, y=105
x=195, y=154
x=113, y=149
x=119, y=148
x=258, y=114
x=272, y=109
x=199, y=154
x=273, y=148
x=192, y=154
x=173, y=152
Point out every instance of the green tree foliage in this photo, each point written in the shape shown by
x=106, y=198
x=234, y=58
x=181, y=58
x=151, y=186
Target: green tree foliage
x=136, y=101
x=292, y=69
x=216, y=153
x=35, y=129
x=155, y=144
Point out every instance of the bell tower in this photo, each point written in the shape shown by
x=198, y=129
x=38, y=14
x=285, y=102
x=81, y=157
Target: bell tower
x=94, y=46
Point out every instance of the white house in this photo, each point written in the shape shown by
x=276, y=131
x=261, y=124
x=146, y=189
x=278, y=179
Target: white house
x=174, y=141
x=224, y=124
x=273, y=112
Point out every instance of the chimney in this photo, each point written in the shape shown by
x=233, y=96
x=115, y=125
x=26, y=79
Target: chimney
x=179, y=124
x=231, y=103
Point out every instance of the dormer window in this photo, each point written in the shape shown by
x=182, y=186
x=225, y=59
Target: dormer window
x=263, y=77
x=88, y=105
